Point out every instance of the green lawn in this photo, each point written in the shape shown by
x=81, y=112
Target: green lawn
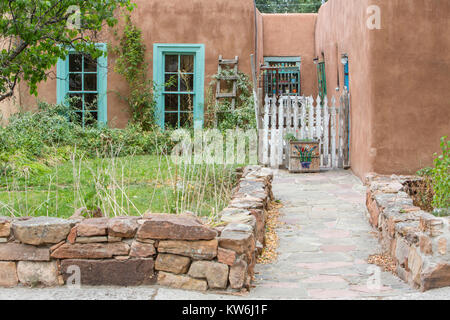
x=118, y=186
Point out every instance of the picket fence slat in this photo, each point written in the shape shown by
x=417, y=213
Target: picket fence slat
x=306, y=118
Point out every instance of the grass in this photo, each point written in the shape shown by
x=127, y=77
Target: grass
x=131, y=185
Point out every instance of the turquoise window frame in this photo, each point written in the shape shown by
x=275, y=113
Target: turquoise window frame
x=159, y=52
x=62, y=70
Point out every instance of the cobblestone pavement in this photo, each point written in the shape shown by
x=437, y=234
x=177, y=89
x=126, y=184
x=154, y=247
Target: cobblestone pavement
x=325, y=240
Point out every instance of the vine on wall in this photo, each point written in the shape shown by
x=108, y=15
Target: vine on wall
x=131, y=64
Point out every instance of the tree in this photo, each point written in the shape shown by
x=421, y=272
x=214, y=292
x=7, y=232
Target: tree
x=288, y=6
x=34, y=34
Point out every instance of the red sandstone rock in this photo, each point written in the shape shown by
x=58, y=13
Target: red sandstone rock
x=216, y=273
x=142, y=250
x=133, y=272
x=93, y=227
x=199, y=250
x=442, y=246
x=32, y=273
x=72, y=235
x=5, y=226
x=226, y=256
x=41, y=230
x=238, y=274
x=172, y=263
x=173, y=227
x=240, y=242
x=181, y=282
x=17, y=251
x=436, y=277
x=91, y=250
x=8, y=274
x=123, y=227
x=425, y=245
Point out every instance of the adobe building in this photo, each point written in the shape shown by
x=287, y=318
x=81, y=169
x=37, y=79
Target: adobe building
x=398, y=75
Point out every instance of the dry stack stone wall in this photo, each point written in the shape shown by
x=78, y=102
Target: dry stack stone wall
x=417, y=240
x=178, y=251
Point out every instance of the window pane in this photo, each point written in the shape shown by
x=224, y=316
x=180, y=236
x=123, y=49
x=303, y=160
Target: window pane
x=78, y=117
x=75, y=61
x=171, y=102
x=186, y=119
x=186, y=102
x=171, y=63
x=75, y=101
x=171, y=82
x=90, y=65
x=187, y=63
x=90, y=118
x=90, y=101
x=75, y=82
x=171, y=119
x=187, y=82
x=90, y=82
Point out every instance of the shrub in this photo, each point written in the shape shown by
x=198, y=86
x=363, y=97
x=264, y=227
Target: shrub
x=437, y=180
x=32, y=141
x=441, y=176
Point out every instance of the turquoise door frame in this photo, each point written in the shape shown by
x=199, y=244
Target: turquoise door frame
x=62, y=83
x=161, y=49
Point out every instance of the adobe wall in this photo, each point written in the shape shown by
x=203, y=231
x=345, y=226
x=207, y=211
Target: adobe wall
x=341, y=28
x=398, y=79
x=288, y=35
x=411, y=78
x=226, y=28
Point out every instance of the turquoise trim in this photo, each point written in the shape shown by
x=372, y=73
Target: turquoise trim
x=62, y=83
x=282, y=59
x=159, y=50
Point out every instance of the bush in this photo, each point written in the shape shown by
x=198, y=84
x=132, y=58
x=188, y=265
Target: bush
x=441, y=176
x=437, y=179
x=32, y=141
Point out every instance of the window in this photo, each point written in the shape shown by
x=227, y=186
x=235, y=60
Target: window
x=281, y=76
x=82, y=83
x=179, y=76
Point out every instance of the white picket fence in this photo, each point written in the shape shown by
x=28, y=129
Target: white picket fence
x=300, y=117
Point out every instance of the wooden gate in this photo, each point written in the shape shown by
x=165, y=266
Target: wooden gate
x=306, y=119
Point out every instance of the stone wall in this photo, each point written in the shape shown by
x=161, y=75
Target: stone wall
x=178, y=251
x=417, y=240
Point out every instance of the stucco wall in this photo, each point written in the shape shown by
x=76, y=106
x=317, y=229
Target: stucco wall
x=400, y=97
x=293, y=35
x=411, y=75
x=226, y=28
x=341, y=28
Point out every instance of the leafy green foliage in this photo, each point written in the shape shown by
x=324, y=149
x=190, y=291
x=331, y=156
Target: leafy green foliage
x=36, y=33
x=243, y=117
x=441, y=176
x=132, y=65
x=438, y=178
x=288, y=6
x=33, y=141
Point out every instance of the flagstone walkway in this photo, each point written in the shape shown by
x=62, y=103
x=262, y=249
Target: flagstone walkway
x=325, y=240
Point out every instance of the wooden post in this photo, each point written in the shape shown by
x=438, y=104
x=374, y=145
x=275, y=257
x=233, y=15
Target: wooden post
x=333, y=133
x=326, y=132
